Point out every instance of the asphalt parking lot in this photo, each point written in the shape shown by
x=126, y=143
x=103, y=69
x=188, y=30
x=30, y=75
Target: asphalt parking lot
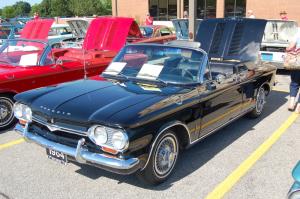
x=26, y=172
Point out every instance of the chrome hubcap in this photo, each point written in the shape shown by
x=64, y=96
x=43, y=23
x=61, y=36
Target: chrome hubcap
x=3, y=112
x=6, y=113
x=165, y=156
x=260, y=100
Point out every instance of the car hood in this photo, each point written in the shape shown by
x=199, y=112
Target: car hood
x=279, y=31
x=182, y=28
x=110, y=33
x=90, y=101
x=79, y=26
x=231, y=38
x=37, y=29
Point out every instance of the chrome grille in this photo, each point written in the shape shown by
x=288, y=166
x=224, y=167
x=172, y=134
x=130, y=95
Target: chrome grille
x=61, y=127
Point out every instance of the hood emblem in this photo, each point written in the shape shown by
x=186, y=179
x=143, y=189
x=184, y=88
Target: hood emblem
x=54, y=111
x=52, y=121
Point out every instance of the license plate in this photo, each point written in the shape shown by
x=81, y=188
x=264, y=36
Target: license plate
x=267, y=57
x=57, y=156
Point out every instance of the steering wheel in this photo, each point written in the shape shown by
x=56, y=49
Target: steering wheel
x=184, y=73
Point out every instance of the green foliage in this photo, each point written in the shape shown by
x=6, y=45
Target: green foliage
x=59, y=8
x=45, y=8
x=8, y=12
x=21, y=8
x=35, y=8
x=54, y=8
x=90, y=7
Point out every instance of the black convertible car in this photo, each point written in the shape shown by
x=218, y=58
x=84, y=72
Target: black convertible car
x=153, y=101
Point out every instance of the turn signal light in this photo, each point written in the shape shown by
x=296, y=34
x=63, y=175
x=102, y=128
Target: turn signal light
x=23, y=122
x=109, y=150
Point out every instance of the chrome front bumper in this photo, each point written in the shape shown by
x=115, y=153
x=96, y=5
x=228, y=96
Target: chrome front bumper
x=82, y=155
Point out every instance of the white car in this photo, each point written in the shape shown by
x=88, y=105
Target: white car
x=59, y=33
x=79, y=28
x=278, y=35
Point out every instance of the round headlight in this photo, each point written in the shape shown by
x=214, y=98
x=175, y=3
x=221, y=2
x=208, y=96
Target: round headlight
x=18, y=111
x=119, y=140
x=98, y=135
x=27, y=114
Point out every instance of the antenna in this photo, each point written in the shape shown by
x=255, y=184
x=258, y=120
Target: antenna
x=84, y=65
x=84, y=52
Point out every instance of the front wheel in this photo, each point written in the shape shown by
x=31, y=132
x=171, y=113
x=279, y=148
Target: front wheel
x=294, y=195
x=260, y=101
x=7, y=118
x=163, y=159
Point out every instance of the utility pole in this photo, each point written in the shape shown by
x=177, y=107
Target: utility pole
x=192, y=18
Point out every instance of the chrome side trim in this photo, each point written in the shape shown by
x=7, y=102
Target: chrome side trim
x=53, y=127
x=163, y=129
x=219, y=127
x=79, y=153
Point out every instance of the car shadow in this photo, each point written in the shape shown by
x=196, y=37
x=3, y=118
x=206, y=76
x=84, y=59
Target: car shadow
x=193, y=158
x=283, y=72
x=7, y=130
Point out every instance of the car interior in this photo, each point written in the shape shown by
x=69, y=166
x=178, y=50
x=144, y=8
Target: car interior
x=226, y=70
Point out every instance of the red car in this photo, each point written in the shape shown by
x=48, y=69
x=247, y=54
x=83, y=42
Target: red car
x=29, y=62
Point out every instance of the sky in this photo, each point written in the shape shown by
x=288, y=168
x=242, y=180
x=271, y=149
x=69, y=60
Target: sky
x=11, y=2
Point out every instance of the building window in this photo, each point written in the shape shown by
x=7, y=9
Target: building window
x=235, y=8
x=163, y=10
x=205, y=8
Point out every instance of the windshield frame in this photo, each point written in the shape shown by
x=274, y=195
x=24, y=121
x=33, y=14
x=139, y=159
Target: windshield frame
x=41, y=59
x=200, y=75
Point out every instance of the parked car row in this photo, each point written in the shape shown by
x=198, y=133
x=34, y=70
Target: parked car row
x=155, y=96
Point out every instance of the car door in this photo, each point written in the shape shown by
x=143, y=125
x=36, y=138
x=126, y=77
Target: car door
x=220, y=106
x=49, y=72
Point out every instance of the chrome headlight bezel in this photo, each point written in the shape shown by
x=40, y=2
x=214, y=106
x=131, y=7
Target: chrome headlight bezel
x=110, y=133
x=124, y=140
x=22, y=112
x=92, y=135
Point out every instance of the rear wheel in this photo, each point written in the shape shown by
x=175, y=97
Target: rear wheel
x=260, y=101
x=7, y=118
x=163, y=159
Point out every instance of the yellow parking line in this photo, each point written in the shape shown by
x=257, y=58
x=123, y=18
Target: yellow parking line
x=12, y=143
x=280, y=90
x=243, y=168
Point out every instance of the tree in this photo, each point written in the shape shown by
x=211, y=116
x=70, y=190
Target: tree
x=90, y=7
x=8, y=12
x=55, y=8
x=21, y=8
x=59, y=8
x=45, y=8
x=35, y=8
x=104, y=7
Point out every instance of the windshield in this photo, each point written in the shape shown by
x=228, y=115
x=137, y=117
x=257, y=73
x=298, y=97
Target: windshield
x=64, y=30
x=157, y=63
x=21, y=53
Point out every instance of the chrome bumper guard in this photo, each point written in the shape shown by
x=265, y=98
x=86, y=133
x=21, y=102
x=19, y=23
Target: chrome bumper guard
x=80, y=154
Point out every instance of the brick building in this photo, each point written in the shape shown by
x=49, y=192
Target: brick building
x=163, y=10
